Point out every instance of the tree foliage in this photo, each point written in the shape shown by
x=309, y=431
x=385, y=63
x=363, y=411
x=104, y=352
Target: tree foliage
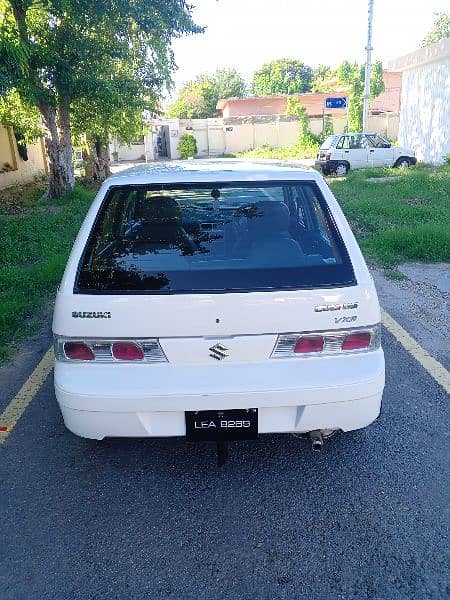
x=440, y=30
x=198, y=99
x=323, y=79
x=22, y=118
x=283, y=76
x=59, y=54
x=352, y=75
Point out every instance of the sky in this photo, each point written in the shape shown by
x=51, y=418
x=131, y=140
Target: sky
x=244, y=34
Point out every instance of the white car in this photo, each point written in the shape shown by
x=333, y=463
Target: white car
x=342, y=152
x=217, y=300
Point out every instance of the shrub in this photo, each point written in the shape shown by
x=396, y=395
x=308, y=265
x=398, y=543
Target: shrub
x=187, y=146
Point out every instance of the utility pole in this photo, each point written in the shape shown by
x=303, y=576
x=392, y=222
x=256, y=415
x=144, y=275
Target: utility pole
x=366, y=97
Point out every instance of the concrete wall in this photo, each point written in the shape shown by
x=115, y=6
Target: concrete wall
x=21, y=171
x=238, y=134
x=133, y=152
x=209, y=134
x=425, y=101
x=425, y=113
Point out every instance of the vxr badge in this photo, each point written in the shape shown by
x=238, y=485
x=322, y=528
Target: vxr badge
x=218, y=351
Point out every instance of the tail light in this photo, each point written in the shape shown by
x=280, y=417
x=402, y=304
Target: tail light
x=341, y=341
x=309, y=343
x=108, y=351
x=127, y=351
x=356, y=341
x=78, y=351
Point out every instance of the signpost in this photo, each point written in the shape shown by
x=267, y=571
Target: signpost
x=336, y=102
x=330, y=103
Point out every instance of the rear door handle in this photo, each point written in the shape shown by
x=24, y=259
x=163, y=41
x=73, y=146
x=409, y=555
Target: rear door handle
x=345, y=151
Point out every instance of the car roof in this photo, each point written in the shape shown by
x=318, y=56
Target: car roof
x=215, y=170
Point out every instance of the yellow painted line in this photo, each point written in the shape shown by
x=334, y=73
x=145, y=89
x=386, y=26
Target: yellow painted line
x=18, y=405
x=437, y=371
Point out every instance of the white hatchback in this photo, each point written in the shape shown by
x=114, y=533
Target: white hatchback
x=217, y=300
x=342, y=152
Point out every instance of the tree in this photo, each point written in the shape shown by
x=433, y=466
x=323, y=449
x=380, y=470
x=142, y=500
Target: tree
x=440, y=31
x=22, y=118
x=352, y=75
x=198, y=99
x=57, y=53
x=323, y=79
x=115, y=111
x=230, y=83
x=283, y=76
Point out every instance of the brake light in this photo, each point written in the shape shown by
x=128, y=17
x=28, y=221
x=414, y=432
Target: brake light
x=356, y=341
x=309, y=344
x=78, y=351
x=147, y=350
x=127, y=351
x=339, y=341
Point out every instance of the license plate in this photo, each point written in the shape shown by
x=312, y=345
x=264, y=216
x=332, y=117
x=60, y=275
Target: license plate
x=222, y=425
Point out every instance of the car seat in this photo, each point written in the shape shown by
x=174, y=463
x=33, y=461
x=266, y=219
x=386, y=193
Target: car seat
x=269, y=240
x=161, y=224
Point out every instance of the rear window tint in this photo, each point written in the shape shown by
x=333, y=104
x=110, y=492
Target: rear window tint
x=213, y=238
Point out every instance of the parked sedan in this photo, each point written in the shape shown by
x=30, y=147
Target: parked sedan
x=339, y=153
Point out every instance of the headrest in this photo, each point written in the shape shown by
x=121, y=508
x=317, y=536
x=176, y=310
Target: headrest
x=271, y=216
x=160, y=210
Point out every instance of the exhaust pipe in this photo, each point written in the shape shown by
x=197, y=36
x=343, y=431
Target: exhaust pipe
x=316, y=440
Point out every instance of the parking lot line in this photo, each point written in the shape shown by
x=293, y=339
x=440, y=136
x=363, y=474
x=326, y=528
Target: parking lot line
x=15, y=409
x=430, y=364
x=17, y=406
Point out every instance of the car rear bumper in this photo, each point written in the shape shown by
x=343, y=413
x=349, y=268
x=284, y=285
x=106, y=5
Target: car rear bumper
x=344, y=416
x=291, y=395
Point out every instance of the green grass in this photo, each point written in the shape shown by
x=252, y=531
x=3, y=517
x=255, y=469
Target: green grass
x=35, y=242
x=405, y=219
x=295, y=151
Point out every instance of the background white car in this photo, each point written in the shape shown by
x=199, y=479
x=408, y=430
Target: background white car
x=342, y=152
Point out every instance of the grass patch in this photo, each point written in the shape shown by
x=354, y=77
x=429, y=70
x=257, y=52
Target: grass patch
x=295, y=151
x=406, y=218
x=36, y=239
x=394, y=274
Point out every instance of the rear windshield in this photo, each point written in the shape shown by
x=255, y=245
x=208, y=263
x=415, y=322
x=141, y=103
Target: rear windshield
x=213, y=238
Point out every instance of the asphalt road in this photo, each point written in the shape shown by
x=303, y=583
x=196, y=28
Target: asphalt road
x=366, y=518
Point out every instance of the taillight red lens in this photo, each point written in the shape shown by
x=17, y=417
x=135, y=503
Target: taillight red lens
x=309, y=344
x=127, y=351
x=78, y=351
x=356, y=341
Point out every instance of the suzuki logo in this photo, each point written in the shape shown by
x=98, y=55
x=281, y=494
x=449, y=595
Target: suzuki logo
x=218, y=352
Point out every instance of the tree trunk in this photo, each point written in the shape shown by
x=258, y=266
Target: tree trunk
x=58, y=144
x=96, y=160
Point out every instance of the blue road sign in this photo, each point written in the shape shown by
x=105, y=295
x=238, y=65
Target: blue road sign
x=336, y=102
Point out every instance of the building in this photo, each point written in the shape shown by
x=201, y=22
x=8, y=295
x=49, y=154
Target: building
x=18, y=167
x=273, y=105
x=425, y=101
x=387, y=102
